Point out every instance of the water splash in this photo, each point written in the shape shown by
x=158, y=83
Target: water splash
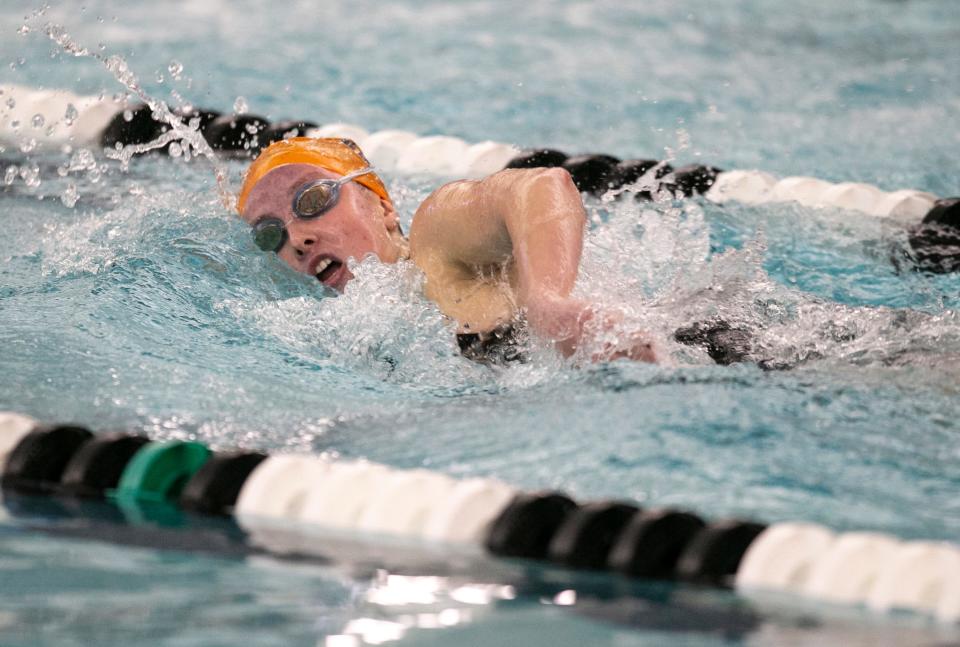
x=188, y=134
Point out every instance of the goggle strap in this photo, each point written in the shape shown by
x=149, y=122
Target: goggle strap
x=355, y=174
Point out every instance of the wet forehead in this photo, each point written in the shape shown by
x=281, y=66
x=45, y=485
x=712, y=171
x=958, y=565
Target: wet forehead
x=273, y=194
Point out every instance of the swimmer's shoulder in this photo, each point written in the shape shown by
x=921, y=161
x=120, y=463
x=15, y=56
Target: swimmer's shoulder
x=464, y=251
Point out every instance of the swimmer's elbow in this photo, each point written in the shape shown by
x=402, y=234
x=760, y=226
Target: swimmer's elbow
x=554, y=179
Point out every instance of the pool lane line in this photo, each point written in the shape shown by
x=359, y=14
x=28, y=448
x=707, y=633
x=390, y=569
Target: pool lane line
x=933, y=223
x=363, y=501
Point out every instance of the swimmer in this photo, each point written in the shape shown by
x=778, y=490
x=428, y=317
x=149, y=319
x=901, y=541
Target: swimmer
x=496, y=253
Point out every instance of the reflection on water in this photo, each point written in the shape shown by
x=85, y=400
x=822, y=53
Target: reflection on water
x=374, y=594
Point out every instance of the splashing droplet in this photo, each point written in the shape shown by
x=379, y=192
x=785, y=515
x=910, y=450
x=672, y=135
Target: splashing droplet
x=240, y=106
x=10, y=174
x=175, y=68
x=24, y=30
x=176, y=150
x=30, y=175
x=70, y=196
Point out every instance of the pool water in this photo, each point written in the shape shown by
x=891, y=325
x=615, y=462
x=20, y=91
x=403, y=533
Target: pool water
x=146, y=307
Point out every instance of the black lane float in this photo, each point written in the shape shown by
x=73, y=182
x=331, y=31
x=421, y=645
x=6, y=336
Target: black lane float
x=933, y=227
x=617, y=536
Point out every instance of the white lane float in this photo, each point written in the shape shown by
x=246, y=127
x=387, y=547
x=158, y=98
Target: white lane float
x=339, y=498
x=781, y=557
x=404, y=504
x=278, y=487
x=68, y=118
x=916, y=577
x=847, y=571
x=464, y=516
x=13, y=427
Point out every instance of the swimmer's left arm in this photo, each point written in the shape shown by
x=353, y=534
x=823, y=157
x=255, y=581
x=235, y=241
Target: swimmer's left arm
x=533, y=218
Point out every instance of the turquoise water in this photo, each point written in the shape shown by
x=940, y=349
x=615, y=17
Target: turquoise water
x=146, y=307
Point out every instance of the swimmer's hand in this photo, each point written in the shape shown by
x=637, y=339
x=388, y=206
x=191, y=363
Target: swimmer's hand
x=576, y=325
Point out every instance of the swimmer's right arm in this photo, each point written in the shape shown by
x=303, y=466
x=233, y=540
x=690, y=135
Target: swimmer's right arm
x=534, y=218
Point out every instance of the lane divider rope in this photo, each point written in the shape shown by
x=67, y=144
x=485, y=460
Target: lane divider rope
x=367, y=499
x=67, y=118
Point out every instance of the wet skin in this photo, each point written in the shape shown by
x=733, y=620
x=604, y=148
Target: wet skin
x=490, y=249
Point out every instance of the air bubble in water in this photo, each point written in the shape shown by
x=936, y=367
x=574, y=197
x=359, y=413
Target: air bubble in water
x=240, y=106
x=15, y=124
x=10, y=102
x=38, y=120
x=24, y=30
x=70, y=196
x=176, y=69
x=159, y=76
x=71, y=114
x=10, y=174
x=28, y=145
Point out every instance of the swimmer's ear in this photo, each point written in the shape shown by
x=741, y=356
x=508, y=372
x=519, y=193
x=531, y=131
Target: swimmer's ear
x=390, y=219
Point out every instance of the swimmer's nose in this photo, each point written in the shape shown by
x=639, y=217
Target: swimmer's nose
x=301, y=241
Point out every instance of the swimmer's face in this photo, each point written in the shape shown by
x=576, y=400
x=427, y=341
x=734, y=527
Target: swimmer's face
x=361, y=223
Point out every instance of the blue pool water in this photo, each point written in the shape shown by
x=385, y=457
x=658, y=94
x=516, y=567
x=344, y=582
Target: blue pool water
x=146, y=307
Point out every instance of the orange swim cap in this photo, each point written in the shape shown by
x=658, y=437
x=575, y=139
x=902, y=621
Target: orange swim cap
x=333, y=154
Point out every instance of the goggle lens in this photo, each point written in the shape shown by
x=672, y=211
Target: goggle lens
x=316, y=199
x=270, y=235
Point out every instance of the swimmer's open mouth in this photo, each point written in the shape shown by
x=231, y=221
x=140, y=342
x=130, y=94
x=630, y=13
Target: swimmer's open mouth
x=326, y=268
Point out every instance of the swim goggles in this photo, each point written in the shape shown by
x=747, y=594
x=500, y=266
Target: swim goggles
x=310, y=201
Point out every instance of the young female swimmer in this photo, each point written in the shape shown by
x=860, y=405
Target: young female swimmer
x=493, y=251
